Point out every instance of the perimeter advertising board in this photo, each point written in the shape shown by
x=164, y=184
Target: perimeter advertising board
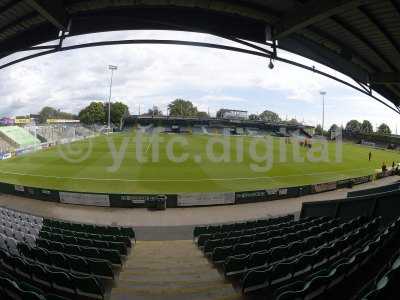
x=141, y=200
x=85, y=199
x=362, y=179
x=323, y=187
x=265, y=195
x=204, y=199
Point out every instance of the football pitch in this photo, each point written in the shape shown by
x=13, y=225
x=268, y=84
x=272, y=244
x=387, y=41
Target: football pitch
x=133, y=163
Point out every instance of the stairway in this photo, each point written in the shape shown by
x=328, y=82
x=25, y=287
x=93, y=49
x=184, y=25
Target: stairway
x=170, y=270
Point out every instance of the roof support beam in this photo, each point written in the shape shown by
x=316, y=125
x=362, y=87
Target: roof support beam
x=385, y=77
x=52, y=10
x=395, y=44
x=359, y=36
x=354, y=54
x=315, y=10
x=9, y=5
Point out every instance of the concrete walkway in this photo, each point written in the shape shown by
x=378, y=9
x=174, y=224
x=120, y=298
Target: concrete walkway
x=171, y=270
x=175, y=216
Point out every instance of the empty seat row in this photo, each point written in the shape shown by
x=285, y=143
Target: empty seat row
x=107, y=254
x=68, y=239
x=11, y=288
x=73, y=263
x=8, y=244
x=53, y=281
x=219, y=254
x=13, y=219
x=276, y=274
x=235, y=266
x=198, y=230
x=210, y=244
x=21, y=216
x=11, y=222
x=20, y=236
x=385, y=285
x=325, y=283
x=91, y=228
x=79, y=227
x=289, y=226
x=86, y=235
x=262, y=252
x=50, y=259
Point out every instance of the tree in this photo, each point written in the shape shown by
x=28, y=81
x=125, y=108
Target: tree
x=270, y=116
x=318, y=130
x=353, y=126
x=253, y=117
x=333, y=128
x=93, y=113
x=366, y=127
x=183, y=108
x=49, y=112
x=384, y=129
x=118, y=112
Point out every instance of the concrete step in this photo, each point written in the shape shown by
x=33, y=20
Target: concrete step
x=170, y=270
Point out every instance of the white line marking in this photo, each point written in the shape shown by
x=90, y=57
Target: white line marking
x=175, y=180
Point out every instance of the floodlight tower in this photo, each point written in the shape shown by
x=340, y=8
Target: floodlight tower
x=112, y=69
x=323, y=93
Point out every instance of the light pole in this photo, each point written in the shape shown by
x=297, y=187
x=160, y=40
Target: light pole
x=323, y=93
x=112, y=69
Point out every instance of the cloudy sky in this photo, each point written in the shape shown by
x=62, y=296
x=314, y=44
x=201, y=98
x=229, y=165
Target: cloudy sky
x=155, y=75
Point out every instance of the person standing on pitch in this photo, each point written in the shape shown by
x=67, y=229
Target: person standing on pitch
x=369, y=156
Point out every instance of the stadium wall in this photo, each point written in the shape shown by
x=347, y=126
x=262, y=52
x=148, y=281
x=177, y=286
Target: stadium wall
x=163, y=201
x=384, y=204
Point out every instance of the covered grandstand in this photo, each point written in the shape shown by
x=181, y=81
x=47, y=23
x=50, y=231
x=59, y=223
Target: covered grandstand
x=217, y=126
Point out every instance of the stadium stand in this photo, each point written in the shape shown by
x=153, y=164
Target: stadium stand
x=59, y=132
x=315, y=257
x=53, y=259
x=382, y=189
x=197, y=130
x=344, y=275
x=384, y=204
x=385, y=285
x=18, y=136
x=5, y=147
x=252, y=131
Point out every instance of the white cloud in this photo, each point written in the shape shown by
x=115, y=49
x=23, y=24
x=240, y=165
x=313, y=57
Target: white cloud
x=222, y=98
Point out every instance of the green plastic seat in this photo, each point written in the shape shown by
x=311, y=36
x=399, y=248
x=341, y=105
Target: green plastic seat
x=100, y=268
x=62, y=283
x=79, y=265
x=88, y=286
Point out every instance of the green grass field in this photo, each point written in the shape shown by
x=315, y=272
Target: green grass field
x=88, y=166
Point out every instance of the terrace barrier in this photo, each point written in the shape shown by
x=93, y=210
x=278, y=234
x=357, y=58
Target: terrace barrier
x=384, y=204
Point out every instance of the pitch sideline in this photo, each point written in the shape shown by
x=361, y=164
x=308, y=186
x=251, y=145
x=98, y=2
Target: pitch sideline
x=178, y=180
